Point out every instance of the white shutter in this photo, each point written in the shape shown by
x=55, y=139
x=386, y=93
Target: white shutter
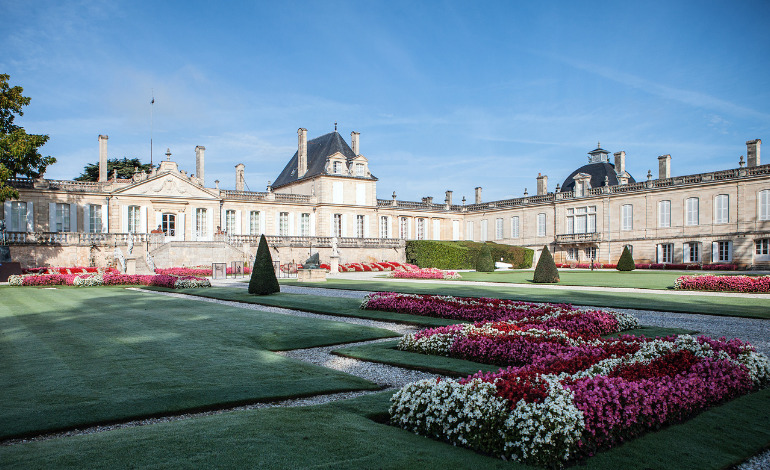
x=360, y=194
x=686, y=253
x=312, y=224
x=7, y=212
x=194, y=224
x=390, y=222
x=210, y=224
x=291, y=217
x=337, y=192
x=30, y=218
x=262, y=221
x=714, y=252
x=729, y=251
x=238, y=221
x=659, y=255
x=409, y=228
x=366, y=226
x=344, y=225
x=437, y=230
x=87, y=219
x=331, y=225
x=158, y=220
x=143, y=219
x=73, y=218
x=179, y=235
x=105, y=219
x=124, y=219
x=51, y=217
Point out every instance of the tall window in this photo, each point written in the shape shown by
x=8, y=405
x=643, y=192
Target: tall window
x=384, y=223
x=134, y=219
x=541, y=225
x=499, y=229
x=691, y=252
x=283, y=224
x=581, y=219
x=360, y=169
x=573, y=254
x=337, y=225
x=403, y=228
x=18, y=222
x=627, y=217
x=764, y=204
x=94, y=218
x=724, y=251
x=304, y=224
x=762, y=249
x=201, y=224
x=664, y=214
x=254, y=223
x=666, y=253
x=360, y=226
x=591, y=253
x=421, y=229
x=722, y=209
x=515, y=227
x=692, y=213
x=230, y=222
x=168, y=224
x=62, y=218
x=337, y=168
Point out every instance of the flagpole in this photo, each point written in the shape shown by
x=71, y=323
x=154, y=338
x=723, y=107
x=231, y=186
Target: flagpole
x=152, y=103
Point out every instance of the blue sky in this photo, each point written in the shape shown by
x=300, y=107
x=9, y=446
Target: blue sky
x=446, y=95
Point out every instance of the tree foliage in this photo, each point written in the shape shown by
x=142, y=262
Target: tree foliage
x=124, y=166
x=626, y=261
x=485, y=263
x=263, y=280
x=546, y=271
x=19, y=155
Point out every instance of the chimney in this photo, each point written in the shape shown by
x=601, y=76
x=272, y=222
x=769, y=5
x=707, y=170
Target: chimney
x=103, y=158
x=199, y=150
x=542, y=184
x=427, y=200
x=478, y=194
x=354, y=136
x=664, y=167
x=752, y=152
x=620, y=162
x=448, y=198
x=301, y=152
x=239, y=177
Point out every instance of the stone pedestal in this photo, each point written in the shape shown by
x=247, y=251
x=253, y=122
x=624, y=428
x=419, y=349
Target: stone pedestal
x=311, y=275
x=130, y=264
x=7, y=267
x=334, y=265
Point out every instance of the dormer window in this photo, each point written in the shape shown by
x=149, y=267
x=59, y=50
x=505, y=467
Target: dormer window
x=337, y=168
x=360, y=169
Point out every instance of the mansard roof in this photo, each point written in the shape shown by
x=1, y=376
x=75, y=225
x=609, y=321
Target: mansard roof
x=318, y=150
x=597, y=171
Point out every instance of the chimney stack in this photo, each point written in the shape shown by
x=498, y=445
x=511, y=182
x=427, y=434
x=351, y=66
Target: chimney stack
x=199, y=150
x=103, y=158
x=664, y=167
x=542, y=184
x=239, y=177
x=301, y=152
x=354, y=136
x=448, y=198
x=478, y=195
x=752, y=152
x=620, y=162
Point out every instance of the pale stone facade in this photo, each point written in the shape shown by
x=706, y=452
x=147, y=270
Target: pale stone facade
x=327, y=190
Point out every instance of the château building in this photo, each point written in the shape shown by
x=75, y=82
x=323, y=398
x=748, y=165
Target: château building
x=327, y=190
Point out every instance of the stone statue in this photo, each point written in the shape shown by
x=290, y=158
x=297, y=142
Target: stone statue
x=314, y=262
x=335, y=250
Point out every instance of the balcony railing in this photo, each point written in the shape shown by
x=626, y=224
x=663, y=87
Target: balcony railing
x=567, y=238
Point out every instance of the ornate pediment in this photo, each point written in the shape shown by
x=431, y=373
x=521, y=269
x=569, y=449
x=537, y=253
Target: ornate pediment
x=168, y=185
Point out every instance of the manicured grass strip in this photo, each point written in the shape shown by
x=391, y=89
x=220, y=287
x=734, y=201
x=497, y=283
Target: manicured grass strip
x=341, y=306
x=72, y=357
x=639, y=279
x=708, y=305
x=385, y=352
x=340, y=435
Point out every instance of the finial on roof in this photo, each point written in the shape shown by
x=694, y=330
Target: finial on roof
x=168, y=154
x=335, y=126
x=598, y=144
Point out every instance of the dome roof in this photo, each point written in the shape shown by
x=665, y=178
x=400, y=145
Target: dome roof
x=598, y=172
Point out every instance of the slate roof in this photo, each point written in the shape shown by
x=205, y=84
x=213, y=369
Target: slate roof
x=597, y=171
x=317, y=151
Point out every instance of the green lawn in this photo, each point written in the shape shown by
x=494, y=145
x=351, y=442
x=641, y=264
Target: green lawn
x=640, y=279
x=670, y=302
x=71, y=357
x=343, y=435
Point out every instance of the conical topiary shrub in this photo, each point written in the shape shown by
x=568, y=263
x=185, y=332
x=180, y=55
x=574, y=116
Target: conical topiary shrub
x=626, y=261
x=263, y=280
x=485, y=263
x=546, y=271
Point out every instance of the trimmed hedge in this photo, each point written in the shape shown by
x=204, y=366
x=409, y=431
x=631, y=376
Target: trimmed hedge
x=485, y=263
x=263, y=280
x=546, y=271
x=626, y=261
x=463, y=254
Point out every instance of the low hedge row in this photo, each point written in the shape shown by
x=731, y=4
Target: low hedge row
x=463, y=254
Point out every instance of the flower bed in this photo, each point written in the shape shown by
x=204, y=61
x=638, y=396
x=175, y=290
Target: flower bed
x=566, y=403
x=482, y=309
x=724, y=283
x=371, y=267
x=68, y=270
x=660, y=266
x=197, y=271
x=108, y=279
x=425, y=273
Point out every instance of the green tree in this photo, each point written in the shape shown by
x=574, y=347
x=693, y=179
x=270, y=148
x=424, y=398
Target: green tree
x=485, y=263
x=19, y=155
x=546, y=271
x=626, y=261
x=263, y=280
x=124, y=166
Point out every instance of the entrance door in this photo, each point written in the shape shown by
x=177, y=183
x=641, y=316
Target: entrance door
x=168, y=225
